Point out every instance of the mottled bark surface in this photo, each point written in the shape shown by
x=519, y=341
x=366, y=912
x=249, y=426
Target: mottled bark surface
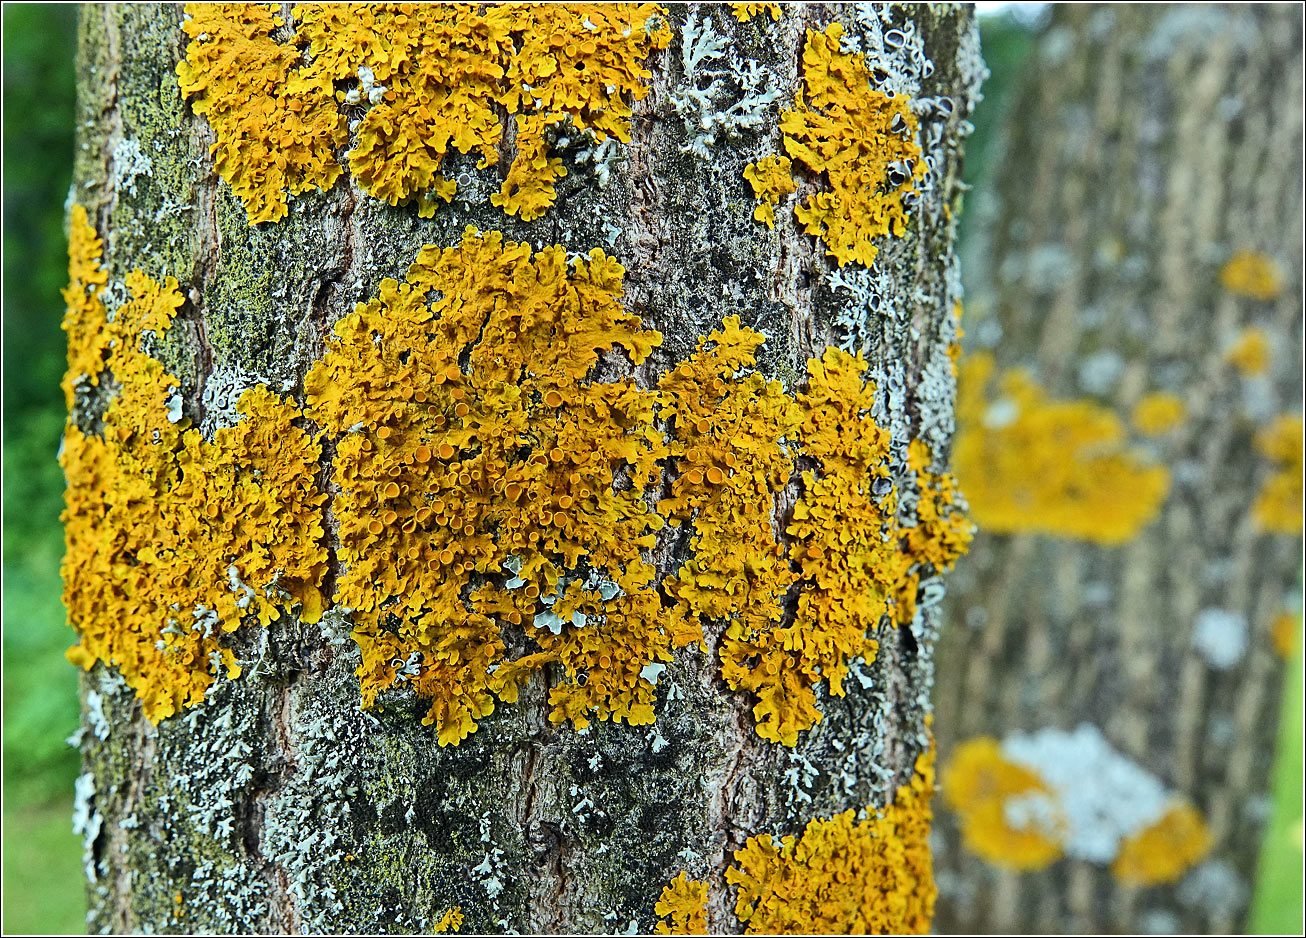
x=1149, y=145
x=206, y=821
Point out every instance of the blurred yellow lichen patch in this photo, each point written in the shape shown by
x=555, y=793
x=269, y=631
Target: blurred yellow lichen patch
x=173, y=540
x=977, y=783
x=1158, y=413
x=682, y=908
x=1062, y=468
x=1278, y=506
x=487, y=481
x=1283, y=634
x=844, y=875
x=427, y=79
x=863, y=140
x=1252, y=274
x=1162, y=852
x=275, y=117
x=746, y=11
x=770, y=180
x=1250, y=352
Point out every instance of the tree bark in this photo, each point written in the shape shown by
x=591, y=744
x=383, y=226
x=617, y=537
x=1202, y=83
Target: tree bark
x=1149, y=148
x=279, y=804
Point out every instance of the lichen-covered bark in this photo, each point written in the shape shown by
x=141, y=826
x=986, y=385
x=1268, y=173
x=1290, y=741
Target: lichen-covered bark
x=278, y=804
x=1150, y=147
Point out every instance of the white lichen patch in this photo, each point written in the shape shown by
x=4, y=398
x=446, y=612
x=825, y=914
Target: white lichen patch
x=87, y=822
x=718, y=103
x=1220, y=637
x=1103, y=795
x=129, y=162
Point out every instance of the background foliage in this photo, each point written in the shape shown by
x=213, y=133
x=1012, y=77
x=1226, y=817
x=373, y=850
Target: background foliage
x=42, y=858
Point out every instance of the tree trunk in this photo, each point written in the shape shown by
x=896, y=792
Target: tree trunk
x=1127, y=613
x=229, y=515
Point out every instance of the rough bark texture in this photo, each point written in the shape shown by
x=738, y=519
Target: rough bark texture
x=1150, y=144
x=583, y=830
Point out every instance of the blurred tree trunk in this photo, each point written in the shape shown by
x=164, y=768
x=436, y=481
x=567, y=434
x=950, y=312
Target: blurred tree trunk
x=278, y=805
x=1149, y=147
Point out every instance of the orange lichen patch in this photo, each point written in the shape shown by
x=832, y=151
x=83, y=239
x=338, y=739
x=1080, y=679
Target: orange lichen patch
x=848, y=566
x=844, y=876
x=534, y=511
x=452, y=920
x=573, y=62
x=150, y=582
x=1252, y=274
x=746, y=11
x=1163, y=852
x=1278, y=506
x=1158, y=413
x=849, y=561
x=84, y=314
x=1053, y=467
x=1283, y=634
x=433, y=78
x=863, y=140
x=683, y=908
x=977, y=783
x=730, y=428
x=941, y=534
x=1250, y=352
x=770, y=180
x=275, y=117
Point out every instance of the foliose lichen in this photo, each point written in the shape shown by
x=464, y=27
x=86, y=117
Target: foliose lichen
x=152, y=582
x=864, y=142
x=1252, y=274
x=867, y=872
x=427, y=80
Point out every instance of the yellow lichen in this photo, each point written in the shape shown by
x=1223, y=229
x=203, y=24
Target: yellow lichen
x=941, y=534
x=173, y=540
x=682, y=908
x=1283, y=634
x=977, y=784
x=728, y=430
x=862, y=140
x=746, y=11
x=275, y=118
x=1053, y=467
x=486, y=482
x=452, y=920
x=84, y=313
x=433, y=79
x=1162, y=852
x=1252, y=274
x=844, y=876
x=1158, y=413
x=1250, y=352
x=770, y=180
x=1278, y=506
